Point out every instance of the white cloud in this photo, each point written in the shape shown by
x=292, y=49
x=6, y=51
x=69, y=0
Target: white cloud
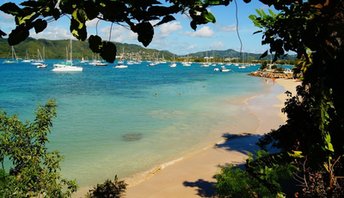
x=205, y=31
x=118, y=34
x=92, y=23
x=6, y=17
x=167, y=28
x=228, y=28
x=217, y=45
x=7, y=22
x=52, y=33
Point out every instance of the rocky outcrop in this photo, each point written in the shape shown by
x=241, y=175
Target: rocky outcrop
x=272, y=74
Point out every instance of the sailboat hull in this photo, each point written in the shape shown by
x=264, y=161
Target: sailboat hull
x=66, y=68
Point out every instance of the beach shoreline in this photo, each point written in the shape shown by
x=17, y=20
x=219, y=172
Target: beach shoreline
x=185, y=175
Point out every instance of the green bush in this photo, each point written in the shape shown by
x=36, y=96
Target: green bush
x=109, y=188
x=262, y=178
x=32, y=170
x=234, y=182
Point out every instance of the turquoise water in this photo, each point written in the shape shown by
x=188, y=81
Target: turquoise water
x=124, y=121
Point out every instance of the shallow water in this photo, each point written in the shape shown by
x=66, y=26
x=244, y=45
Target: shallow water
x=124, y=121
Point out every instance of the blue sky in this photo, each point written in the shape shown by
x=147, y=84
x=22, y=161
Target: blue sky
x=176, y=36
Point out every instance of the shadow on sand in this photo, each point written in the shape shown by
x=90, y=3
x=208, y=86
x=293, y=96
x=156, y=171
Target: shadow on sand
x=243, y=143
x=204, y=188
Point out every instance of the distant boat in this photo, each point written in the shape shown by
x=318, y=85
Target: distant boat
x=41, y=65
x=84, y=60
x=224, y=69
x=13, y=58
x=205, y=64
x=27, y=58
x=39, y=59
x=61, y=67
x=68, y=65
x=97, y=62
x=173, y=64
x=120, y=62
x=186, y=64
x=121, y=66
x=153, y=63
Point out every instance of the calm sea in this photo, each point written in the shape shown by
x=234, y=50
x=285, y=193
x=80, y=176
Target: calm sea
x=124, y=121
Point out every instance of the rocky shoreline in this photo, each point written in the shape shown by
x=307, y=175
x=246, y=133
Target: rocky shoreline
x=273, y=74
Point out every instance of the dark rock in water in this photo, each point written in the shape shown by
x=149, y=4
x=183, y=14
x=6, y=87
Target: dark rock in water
x=129, y=137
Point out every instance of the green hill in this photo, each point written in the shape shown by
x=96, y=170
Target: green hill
x=56, y=49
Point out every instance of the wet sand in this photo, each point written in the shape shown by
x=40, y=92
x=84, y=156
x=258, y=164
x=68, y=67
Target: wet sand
x=192, y=175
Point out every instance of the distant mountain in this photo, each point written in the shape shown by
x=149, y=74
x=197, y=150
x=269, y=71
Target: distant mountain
x=56, y=49
x=232, y=54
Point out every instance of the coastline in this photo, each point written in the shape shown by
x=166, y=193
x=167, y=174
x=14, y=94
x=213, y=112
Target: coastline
x=191, y=175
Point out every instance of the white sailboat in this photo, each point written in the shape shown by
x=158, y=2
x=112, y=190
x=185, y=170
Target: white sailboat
x=224, y=69
x=27, y=58
x=97, y=62
x=120, y=62
x=13, y=58
x=41, y=65
x=68, y=65
x=83, y=60
x=173, y=64
x=39, y=59
x=186, y=63
x=121, y=66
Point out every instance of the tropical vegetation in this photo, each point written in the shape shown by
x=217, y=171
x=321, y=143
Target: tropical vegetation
x=312, y=138
x=28, y=168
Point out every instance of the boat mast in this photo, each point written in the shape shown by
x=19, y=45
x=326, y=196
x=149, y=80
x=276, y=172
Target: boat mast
x=71, y=49
x=14, y=56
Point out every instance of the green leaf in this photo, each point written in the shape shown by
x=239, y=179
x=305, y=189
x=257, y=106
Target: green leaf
x=296, y=154
x=56, y=13
x=114, y=11
x=95, y=43
x=108, y=51
x=209, y=17
x=2, y=34
x=39, y=25
x=218, y=2
x=264, y=54
x=90, y=10
x=77, y=25
x=328, y=144
x=145, y=32
x=18, y=35
x=159, y=10
x=252, y=17
x=272, y=13
x=30, y=3
x=166, y=19
x=193, y=25
x=10, y=8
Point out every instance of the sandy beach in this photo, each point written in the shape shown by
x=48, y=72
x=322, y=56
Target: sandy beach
x=192, y=174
